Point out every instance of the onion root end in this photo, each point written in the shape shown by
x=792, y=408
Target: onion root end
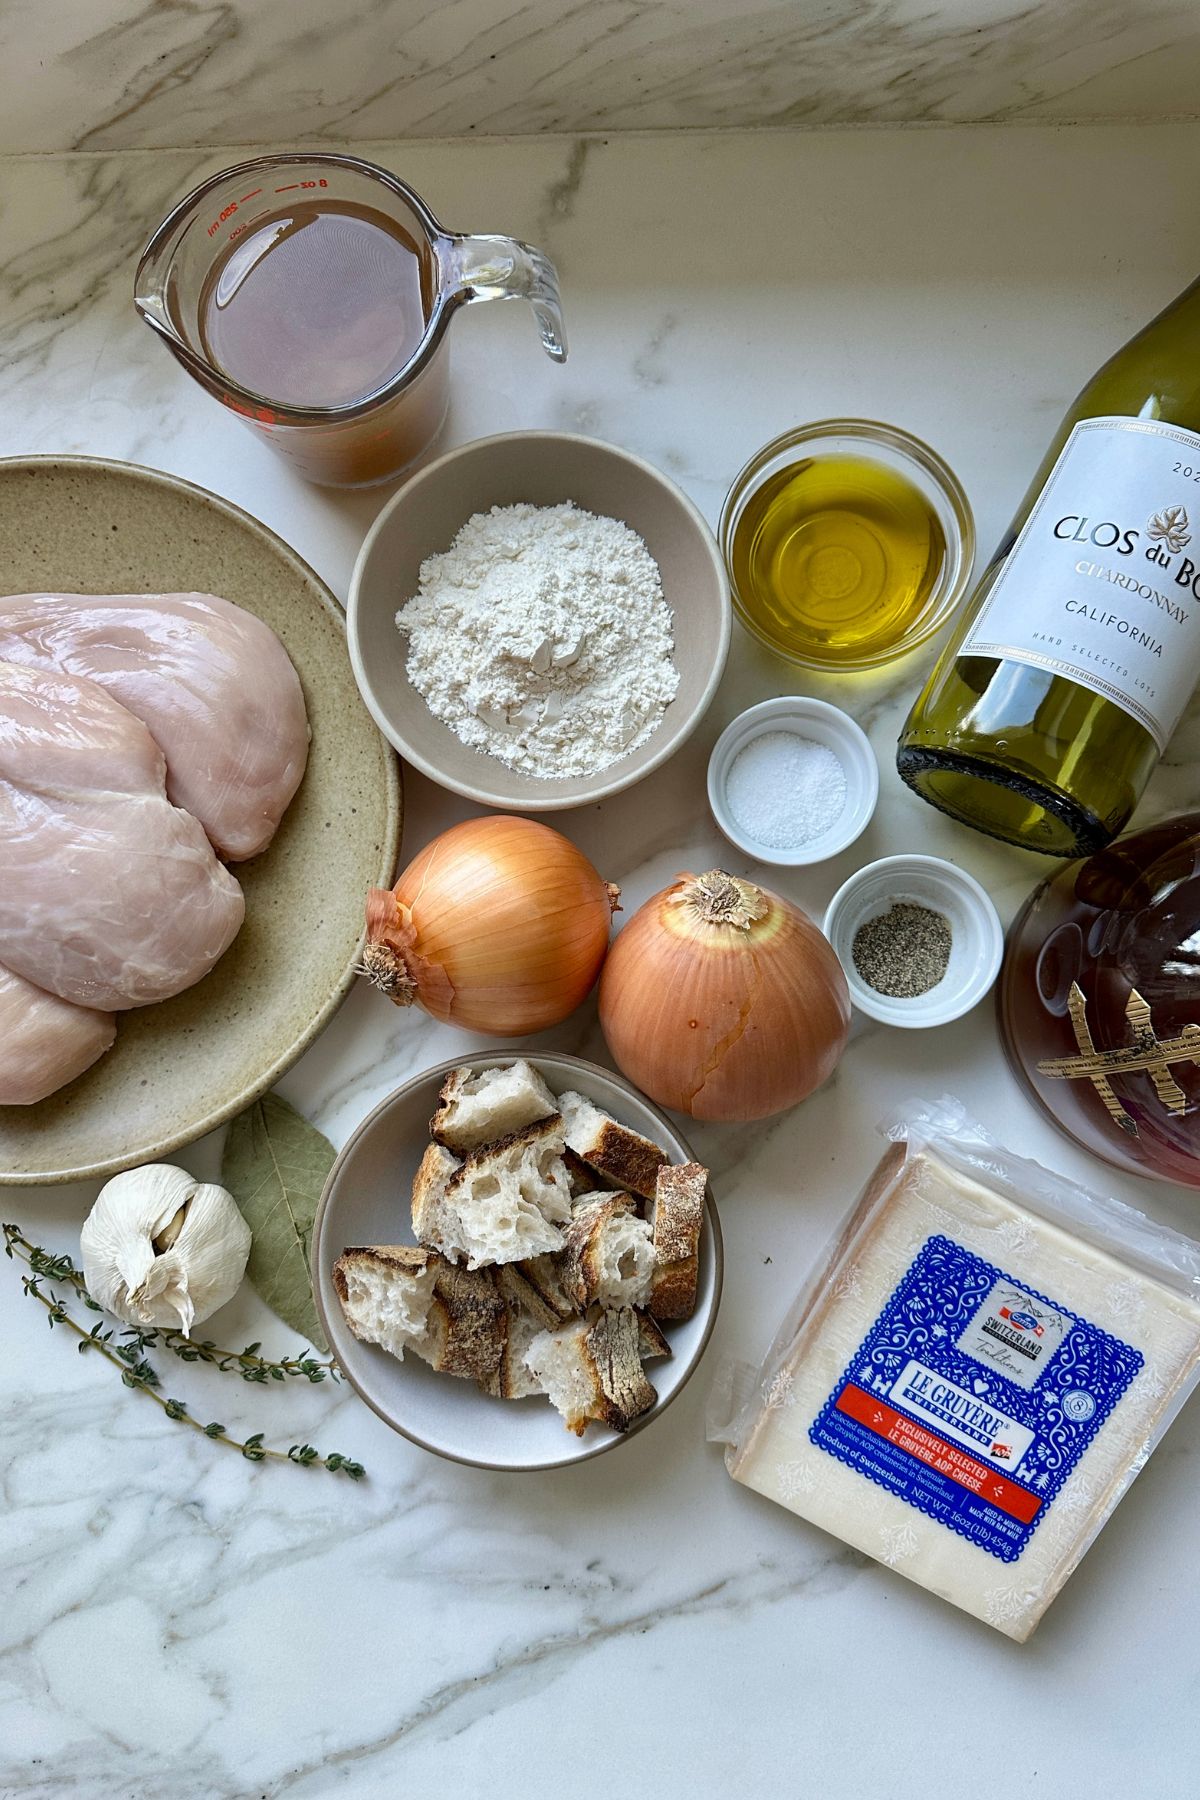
x=387, y=970
x=718, y=898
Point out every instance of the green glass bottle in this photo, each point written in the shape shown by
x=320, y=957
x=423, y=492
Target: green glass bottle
x=1078, y=651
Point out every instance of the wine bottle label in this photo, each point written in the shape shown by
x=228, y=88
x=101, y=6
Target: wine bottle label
x=1103, y=584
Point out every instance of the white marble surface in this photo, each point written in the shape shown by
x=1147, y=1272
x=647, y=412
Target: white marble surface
x=111, y=74
x=179, y=1625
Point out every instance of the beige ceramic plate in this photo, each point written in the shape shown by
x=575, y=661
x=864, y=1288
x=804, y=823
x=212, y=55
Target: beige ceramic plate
x=183, y=1067
x=543, y=468
x=366, y=1202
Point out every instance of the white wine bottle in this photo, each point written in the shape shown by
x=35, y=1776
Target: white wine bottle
x=1077, y=653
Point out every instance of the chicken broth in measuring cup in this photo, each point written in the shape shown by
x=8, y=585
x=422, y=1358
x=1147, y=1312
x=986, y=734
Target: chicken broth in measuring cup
x=311, y=295
x=319, y=305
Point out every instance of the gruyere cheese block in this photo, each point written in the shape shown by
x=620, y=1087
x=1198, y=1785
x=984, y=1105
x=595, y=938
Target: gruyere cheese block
x=969, y=1391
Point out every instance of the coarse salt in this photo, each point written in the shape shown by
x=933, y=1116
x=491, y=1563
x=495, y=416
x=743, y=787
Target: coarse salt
x=783, y=790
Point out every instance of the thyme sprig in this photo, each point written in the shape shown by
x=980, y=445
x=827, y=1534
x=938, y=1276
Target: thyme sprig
x=247, y=1363
x=127, y=1353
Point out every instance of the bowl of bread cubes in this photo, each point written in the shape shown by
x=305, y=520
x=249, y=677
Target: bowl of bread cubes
x=517, y=1261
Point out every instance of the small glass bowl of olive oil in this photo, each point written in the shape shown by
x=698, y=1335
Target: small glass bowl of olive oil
x=847, y=544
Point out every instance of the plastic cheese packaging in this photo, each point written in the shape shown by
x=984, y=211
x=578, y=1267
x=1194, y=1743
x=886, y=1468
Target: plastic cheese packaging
x=978, y=1370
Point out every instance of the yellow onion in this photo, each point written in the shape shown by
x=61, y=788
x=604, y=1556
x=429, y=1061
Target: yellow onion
x=723, y=1000
x=499, y=925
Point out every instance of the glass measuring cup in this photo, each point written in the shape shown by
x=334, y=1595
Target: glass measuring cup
x=369, y=436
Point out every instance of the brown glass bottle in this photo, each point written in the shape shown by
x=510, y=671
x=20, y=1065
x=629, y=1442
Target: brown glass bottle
x=1099, y=1000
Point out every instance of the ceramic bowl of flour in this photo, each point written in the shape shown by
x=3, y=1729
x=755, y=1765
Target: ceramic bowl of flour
x=553, y=654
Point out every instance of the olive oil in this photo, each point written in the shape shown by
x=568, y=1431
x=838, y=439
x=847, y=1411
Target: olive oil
x=835, y=558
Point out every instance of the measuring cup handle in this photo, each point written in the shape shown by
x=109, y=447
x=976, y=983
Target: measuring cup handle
x=501, y=268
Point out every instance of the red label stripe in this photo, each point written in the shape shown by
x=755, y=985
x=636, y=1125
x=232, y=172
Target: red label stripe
x=937, y=1454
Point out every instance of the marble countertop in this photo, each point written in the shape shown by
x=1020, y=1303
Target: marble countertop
x=180, y=1625
x=107, y=75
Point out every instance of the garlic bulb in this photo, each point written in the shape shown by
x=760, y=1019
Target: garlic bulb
x=162, y=1249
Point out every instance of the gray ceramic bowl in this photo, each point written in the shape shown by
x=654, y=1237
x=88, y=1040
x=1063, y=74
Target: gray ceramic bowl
x=366, y=1202
x=543, y=468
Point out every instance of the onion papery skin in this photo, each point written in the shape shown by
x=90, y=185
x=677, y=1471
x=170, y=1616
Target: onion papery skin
x=500, y=925
x=724, y=1021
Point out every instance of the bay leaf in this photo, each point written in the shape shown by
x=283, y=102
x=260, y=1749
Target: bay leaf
x=275, y=1165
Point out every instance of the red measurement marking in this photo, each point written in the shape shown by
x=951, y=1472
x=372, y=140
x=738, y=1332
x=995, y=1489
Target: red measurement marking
x=249, y=196
x=226, y=213
x=288, y=188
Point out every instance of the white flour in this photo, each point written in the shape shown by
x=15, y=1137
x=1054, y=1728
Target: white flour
x=542, y=637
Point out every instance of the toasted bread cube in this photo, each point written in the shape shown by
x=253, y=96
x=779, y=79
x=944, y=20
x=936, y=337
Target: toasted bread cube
x=607, y=1255
x=479, y=1106
x=592, y=1370
x=677, y=1217
x=403, y=1297
x=506, y=1202
x=624, y=1159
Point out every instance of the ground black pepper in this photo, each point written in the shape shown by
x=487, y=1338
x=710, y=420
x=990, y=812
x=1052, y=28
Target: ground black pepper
x=904, y=952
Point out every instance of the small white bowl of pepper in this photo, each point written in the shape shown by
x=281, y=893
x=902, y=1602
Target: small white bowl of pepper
x=918, y=938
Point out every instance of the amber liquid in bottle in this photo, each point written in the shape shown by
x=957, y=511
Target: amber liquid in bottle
x=1099, y=1000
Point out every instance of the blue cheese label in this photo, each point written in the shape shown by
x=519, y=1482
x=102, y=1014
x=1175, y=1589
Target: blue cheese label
x=961, y=1415
x=973, y=1397
x=1015, y=1332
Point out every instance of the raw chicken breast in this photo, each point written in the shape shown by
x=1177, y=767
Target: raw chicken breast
x=44, y=1041
x=109, y=895
x=212, y=684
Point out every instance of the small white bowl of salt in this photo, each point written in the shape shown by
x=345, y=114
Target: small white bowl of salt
x=792, y=781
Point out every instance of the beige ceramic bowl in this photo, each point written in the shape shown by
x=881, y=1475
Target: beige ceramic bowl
x=542, y=468
x=81, y=524
x=366, y=1202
